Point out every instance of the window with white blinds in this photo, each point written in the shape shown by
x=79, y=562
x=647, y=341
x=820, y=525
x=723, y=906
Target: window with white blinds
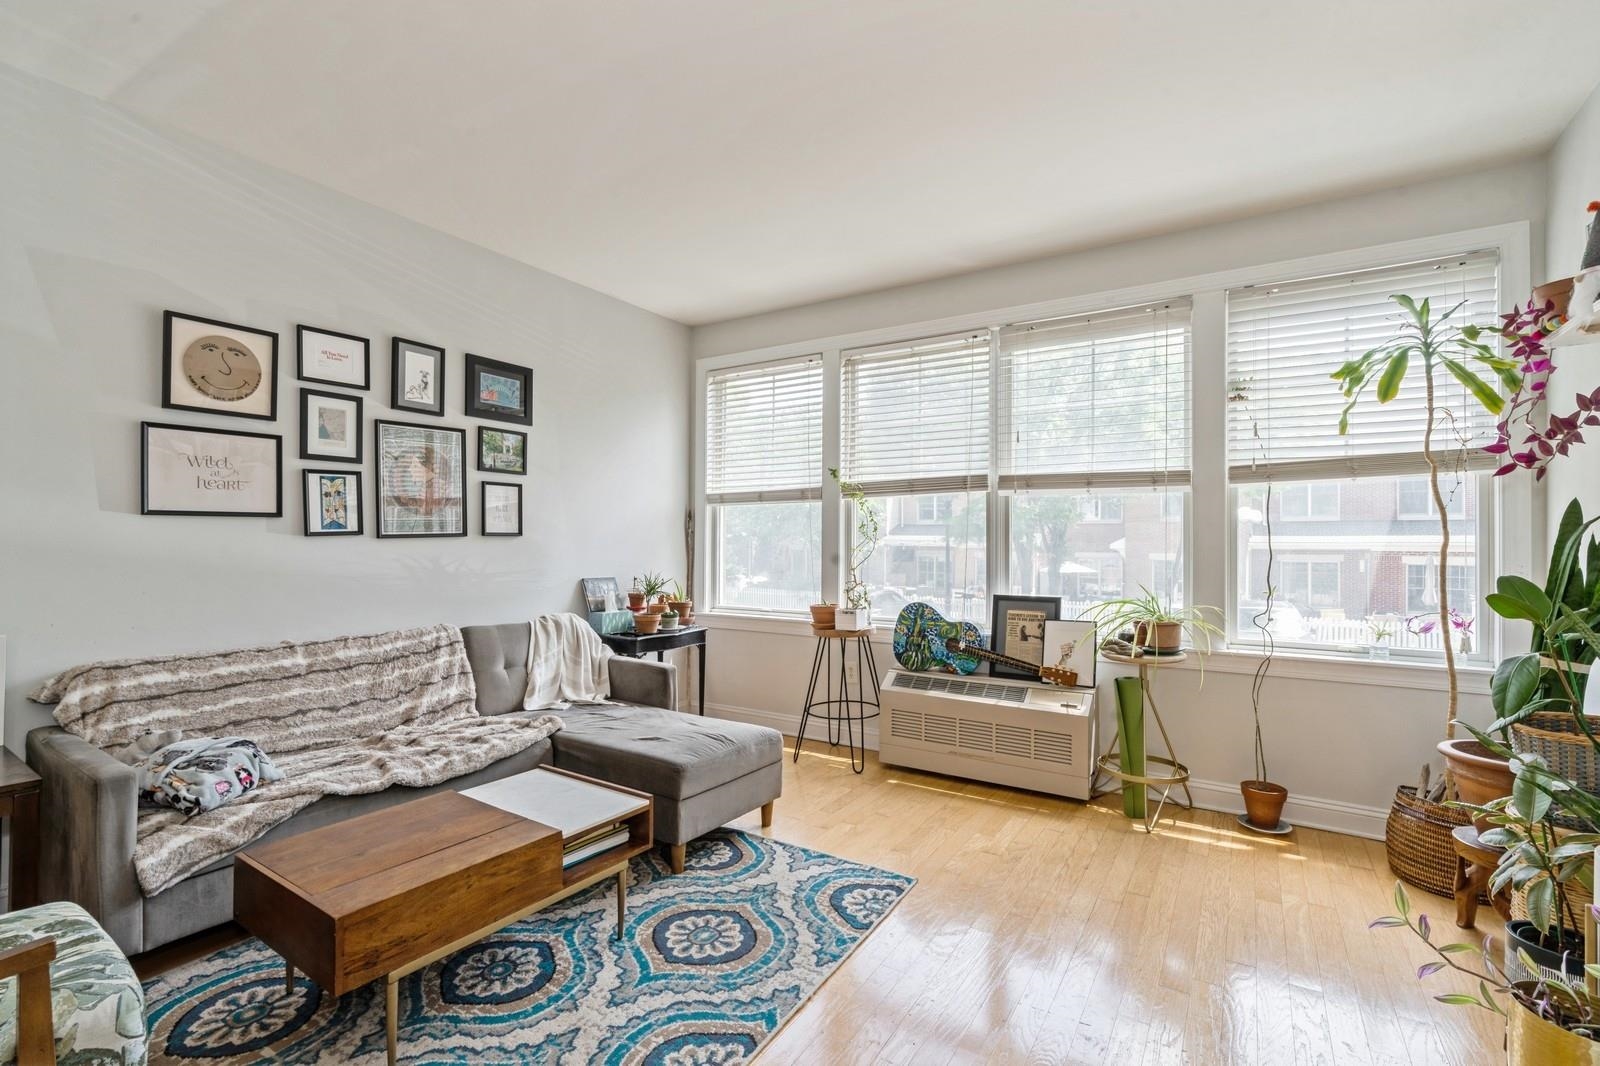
x=764, y=433
x=915, y=416
x=1096, y=401
x=1284, y=340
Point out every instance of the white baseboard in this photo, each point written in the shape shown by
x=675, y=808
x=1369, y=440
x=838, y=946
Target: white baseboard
x=1310, y=811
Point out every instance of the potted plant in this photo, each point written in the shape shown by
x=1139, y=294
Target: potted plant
x=822, y=615
x=1157, y=627
x=645, y=623
x=1429, y=345
x=636, y=597
x=1382, y=630
x=653, y=584
x=681, y=604
x=857, y=612
x=668, y=619
x=1263, y=799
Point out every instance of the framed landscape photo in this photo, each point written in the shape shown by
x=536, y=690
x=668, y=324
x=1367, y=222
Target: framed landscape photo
x=218, y=367
x=1069, y=644
x=1019, y=630
x=331, y=358
x=422, y=480
x=502, y=451
x=184, y=470
x=502, y=509
x=333, y=503
x=417, y=383
x=330, y=426
x=501, y=391
x=601, y=594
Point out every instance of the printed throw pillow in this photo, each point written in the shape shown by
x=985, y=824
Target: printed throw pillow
x=199, y=775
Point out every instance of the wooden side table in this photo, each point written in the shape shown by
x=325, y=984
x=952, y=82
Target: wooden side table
x=637, y=645
x=847, y=712
x=19, y=806
x=1475, y=863
x=1113, y=761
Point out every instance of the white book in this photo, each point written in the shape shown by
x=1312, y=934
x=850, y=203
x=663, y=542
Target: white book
x=605, y=843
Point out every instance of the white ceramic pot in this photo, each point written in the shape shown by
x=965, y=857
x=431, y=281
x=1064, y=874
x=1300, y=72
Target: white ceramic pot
x=850, y=619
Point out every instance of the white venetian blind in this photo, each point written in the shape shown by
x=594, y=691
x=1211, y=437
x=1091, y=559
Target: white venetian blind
x=915, y=416
x=1285, y=340
x=764, y=432
x=1096, y=401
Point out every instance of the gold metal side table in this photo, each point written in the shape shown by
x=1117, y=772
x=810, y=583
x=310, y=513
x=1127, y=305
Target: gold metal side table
x=1111, y=762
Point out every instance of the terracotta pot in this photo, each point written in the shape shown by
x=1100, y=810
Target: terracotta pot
x=1168, y=636
x=1479, y=774
x=635, y=600
x=822, y=615
x=1533, y=1041
x=1263, y=803
x=684, y=609
x=1558, y=292
x=647, y=622
x=656, y=609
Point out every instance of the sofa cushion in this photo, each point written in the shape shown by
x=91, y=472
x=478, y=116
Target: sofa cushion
x=97, y=1002
x=499, y=658
x=665, y=753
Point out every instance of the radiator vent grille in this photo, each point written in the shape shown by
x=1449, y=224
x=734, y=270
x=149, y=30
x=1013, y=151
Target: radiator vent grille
x=938, y=729
x=977, y=735
x=1052, y=747
x=957, y=686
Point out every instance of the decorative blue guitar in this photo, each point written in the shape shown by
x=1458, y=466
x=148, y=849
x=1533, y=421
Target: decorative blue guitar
x=926, y=640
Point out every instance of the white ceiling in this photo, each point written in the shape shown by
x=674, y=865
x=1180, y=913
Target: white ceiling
x=713, y=158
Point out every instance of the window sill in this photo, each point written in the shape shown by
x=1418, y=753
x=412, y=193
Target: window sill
x=1347, y=670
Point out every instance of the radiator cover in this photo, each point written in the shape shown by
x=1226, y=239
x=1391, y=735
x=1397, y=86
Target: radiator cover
x=1016, y=733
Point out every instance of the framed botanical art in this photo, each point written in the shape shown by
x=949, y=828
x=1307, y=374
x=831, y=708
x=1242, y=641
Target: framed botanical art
x=501, y=391
x=502, y=451
x=422, y=480
x=502, y=509
x=184, y=470
x=417, y=383
x=330, y=426
x=333, y=503
x=218, y=367
x=331, y=358
x=1069, y=644
x=1018, y=631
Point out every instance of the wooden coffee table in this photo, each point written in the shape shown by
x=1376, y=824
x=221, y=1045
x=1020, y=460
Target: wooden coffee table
x=391, y=892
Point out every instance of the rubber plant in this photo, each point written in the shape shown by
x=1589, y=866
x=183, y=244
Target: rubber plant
x=1428, y=346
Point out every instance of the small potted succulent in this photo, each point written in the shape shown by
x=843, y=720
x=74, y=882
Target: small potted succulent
x=668, y=619
x=681, y=604
x=822, y=615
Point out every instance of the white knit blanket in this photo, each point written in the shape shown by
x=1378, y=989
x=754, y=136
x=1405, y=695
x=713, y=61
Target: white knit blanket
x=339, y=717
x=566, y=663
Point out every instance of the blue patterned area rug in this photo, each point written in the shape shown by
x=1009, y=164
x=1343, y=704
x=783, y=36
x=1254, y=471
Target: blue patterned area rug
x=713, y=962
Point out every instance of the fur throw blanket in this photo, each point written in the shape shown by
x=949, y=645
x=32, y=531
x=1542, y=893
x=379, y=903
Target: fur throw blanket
x=338, y=717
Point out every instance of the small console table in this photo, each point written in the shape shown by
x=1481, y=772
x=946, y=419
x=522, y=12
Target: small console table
x=19, y=806
x=1114, y=762
x=847, y=711
x=638, y=645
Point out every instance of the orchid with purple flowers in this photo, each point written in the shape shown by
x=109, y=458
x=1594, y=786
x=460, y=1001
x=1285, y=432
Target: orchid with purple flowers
x=1525, y=330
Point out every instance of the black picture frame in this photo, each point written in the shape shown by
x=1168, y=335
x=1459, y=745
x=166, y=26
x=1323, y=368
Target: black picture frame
x=483, y=508
x=379, y=427
x=209, y=405
x=1050, y=606
x=300, y=332
x=488, y=468
x=401, y=348
x=305, y=426
x=354, y=508
x=145, y=507
x=520, y=413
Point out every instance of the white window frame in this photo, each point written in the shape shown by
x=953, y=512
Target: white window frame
x=1509, y=545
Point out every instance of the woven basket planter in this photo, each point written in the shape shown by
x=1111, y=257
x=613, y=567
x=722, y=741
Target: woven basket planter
x=1417, y=839
x=1555, y=737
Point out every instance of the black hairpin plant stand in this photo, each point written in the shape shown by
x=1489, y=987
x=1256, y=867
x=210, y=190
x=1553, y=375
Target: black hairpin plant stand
x=847, y=714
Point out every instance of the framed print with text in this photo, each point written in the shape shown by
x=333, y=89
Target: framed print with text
x=1019, y=624
x=422, y=480
x=331, y=358
x=185, y=470
x=502, y=509
x=417, y=382
x=218, y=367
x=333, y=503
x=501, y=391
x=330, y=426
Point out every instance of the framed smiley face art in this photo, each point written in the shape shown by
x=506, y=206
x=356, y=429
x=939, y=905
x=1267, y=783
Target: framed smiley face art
x=218, y=367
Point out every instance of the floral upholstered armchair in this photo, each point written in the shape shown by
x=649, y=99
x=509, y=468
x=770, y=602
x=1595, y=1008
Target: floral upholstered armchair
x=66, y=991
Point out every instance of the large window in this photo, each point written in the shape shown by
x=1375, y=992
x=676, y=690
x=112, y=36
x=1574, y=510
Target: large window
x=763, y=485
x=1094, y=453
x=1350, y=522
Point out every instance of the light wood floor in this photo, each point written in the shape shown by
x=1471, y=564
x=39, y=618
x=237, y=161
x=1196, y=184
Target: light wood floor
x=1048, y=931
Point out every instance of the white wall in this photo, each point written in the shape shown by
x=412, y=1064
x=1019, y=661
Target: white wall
x=1339, y=736
x=1574, y=182
x=106, y=222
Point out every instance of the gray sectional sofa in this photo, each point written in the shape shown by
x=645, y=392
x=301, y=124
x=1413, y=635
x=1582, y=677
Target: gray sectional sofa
x=703, y=772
